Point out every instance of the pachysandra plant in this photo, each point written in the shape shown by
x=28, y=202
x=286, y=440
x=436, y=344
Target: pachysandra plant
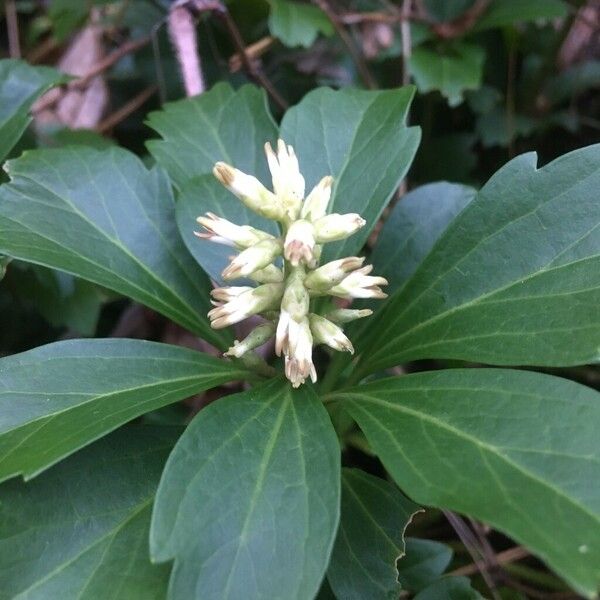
x=249, y=499
x=284, y=296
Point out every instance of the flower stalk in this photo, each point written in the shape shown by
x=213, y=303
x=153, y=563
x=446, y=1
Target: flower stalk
x=287, y=267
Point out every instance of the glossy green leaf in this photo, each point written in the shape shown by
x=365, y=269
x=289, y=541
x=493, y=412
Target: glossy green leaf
x=519, y=450
x=370, y=538
x=449, y=588
x=297, y=24
x=413, y=227
x=248, y=504
x=515, y=279
x=423, y=563
x=504, y=12
x=60, y=397
x=458, y=69
x=101, y=215
x=80, y=531
x=221, y=124
x=205, y=194
x=20, y=86
x=361, y=139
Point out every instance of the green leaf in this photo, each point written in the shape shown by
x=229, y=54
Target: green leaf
x=248, y=504
x=361, y=139
x=203, y=194
x=505, y=12
x=296, y=24
x=423, y=563
x=449, y=588
x=516, y=449
x=369, y=539
x=515, y=279
x=101, y=215
x=20, y=86
x=458, y=69
x=80, y=531
x=413, y=227
x=218, y=125
x=221, y=124
x=60, y=397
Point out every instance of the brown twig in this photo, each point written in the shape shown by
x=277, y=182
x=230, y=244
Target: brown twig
x=41, y=51
x=502, y=558
x=355, y=53
x=253, y=51
x=102, y=65
x=356, y=18
x=125, y=110
x=249, y=65
x=12, y=25
x=473, y=547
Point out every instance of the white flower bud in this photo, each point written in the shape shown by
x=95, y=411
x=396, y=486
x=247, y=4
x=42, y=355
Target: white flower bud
x=268, y=274
x=253, y=258
x=298, y=359
x=347, y=315
x=315, y=205
x=222, y=231
x=250, y=191
x=328, y=333
x=288, y=182
x=257, y=337
x=331, y=228
x=332, y=273
x=299, y=243
x=226, y=294
x=244, y=304
x=359, y=285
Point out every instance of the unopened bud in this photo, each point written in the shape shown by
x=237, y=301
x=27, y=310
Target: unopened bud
x=250, y=191
x=222, y=231
x=299, y=243
x=332, y=273
x=315, y=205
x=226, y=294
x=328, y=333
x=359, y=285
x=253, y=258
x=247, y=303
x=347, y=315
x=331, y=228
x=298, y=358
x=257, y=337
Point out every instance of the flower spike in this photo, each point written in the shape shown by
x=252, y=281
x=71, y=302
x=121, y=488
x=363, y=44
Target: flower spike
x=287, y=267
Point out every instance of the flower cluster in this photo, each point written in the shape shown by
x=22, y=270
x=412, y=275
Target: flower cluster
x=284, y=293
